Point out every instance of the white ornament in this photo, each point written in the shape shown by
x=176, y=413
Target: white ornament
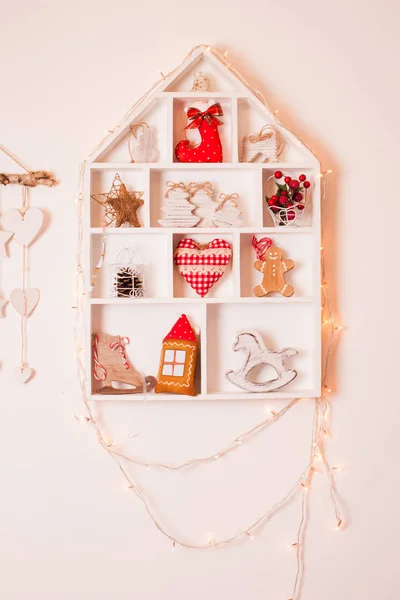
x=201, y=196
x=265, y=146
x=25, y=225
x=2, y=305
x=178, y=209
x=257, y=354
x=24, y=301
x=141, y=149
x=201, y=83
x=23, y=374
x=5, y=236
x=227, y=213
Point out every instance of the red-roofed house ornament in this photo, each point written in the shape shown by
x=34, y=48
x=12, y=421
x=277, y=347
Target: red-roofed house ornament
x=178, y=360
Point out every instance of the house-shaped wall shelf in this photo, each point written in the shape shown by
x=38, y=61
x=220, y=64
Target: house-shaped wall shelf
x=230, y=307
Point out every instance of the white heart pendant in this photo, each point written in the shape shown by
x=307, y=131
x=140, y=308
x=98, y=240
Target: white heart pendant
x=25, y=226
x=23, y=374
x=24, y=302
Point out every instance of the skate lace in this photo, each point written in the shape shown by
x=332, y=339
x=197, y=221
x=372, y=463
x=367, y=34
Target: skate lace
x=120, y=346
x=97, y=366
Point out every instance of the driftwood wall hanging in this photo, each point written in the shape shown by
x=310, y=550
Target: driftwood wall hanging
x=23, y=226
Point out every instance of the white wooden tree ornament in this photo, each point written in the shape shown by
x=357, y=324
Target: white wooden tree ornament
x=201, y=195
x=178, y=209
x=228, y=213
x=256, y=353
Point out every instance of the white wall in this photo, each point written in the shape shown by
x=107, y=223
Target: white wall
x=68, y=529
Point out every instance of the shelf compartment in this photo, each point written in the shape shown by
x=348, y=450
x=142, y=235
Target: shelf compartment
x=153, y=251
x=252, y=117
x=146, y=328
x=155, y=115
x=298, y=247
x=223, y=289
x=280, y=326
x=269, y=188
x=225, y=181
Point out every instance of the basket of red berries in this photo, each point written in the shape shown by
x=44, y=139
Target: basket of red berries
x=288, y=202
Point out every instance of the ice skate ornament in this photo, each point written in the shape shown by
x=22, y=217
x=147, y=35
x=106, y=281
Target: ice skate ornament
x=257, y=354
x=178, y=209
x=201, y=83
x=110, y=365
x=227, y=213
x=210, y=148
x=264, y=146
x=201, y=195
x=273, y=268
x=141, y=148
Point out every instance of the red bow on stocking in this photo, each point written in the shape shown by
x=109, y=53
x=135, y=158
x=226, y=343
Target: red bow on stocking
x=197, y=117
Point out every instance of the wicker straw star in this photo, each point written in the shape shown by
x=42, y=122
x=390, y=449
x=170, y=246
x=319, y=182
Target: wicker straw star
x=120, y=205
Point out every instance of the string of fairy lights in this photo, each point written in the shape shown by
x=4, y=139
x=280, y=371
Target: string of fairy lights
x=322, y=410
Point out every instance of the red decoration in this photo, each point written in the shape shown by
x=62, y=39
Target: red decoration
x=210, y=148
x=182, y=330
x=202, y=266
x=261, y=246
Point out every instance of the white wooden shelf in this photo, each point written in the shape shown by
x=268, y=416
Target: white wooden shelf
x=234, y=396
x=230, y=306
x=199, y=230
x=126, y=302
x=198, y=166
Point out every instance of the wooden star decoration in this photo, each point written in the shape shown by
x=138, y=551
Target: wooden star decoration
x=5, y=236
x=120, y=205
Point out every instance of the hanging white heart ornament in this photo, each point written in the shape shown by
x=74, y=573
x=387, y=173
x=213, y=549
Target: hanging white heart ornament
x=23, y=374
x=25, y=226
x=24, y=302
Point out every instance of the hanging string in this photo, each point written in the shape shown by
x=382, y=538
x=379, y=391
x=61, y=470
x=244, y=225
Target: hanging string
x=14, y=158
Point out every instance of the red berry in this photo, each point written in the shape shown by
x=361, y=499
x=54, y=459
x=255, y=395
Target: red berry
x=278, y=174
x=271, y=202
x=290, y=215
x=283, y=193
x=294, y=184
x=275, y=209
x=302, y=177
x=306, y=184
x=288, y=179
x=289, y=204
x=298, y=197
x=300, y=206
x=283, y=200
x=274, y=197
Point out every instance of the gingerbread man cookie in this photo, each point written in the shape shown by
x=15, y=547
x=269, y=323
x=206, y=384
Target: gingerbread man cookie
x=273, y=268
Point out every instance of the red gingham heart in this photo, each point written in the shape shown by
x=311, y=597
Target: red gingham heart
x=202, y=266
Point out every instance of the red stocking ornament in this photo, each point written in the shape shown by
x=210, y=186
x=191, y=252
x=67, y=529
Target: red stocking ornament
x=210, y=147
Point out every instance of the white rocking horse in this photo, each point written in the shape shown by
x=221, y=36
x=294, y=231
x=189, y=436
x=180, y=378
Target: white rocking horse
x=258, y=354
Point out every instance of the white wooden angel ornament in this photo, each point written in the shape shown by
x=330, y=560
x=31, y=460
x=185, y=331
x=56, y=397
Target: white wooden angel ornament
x=264, y=146
x=256, y=353
x=141, y=143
